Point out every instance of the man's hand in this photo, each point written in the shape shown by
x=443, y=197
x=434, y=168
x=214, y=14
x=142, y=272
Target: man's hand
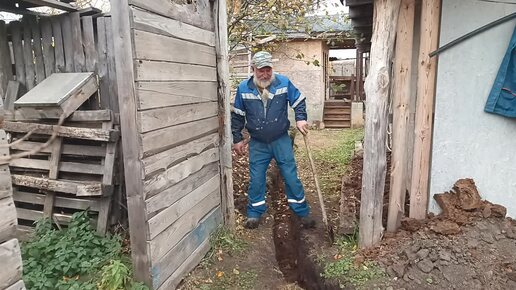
x=302, y=126
x=240, y=147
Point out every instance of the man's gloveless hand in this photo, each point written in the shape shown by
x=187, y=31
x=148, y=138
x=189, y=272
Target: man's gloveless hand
x=240, y=147
x=302, y=126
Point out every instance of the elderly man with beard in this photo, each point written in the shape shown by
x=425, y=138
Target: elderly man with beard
x=261, y=105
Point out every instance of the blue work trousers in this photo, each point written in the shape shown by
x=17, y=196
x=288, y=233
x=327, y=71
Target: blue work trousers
x=260, y=155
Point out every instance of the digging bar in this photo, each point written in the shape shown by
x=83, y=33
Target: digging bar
x=329, y=228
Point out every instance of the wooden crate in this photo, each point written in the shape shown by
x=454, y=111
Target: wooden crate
x=75, y=172
x=58, y=94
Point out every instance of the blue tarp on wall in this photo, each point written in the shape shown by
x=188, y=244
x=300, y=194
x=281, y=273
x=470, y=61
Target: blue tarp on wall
x=502, y=98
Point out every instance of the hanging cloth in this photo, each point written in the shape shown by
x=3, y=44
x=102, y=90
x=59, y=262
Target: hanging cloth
x=502, y=98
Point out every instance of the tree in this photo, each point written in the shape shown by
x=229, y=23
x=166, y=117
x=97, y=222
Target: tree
x=261, y=24
x=248, y=19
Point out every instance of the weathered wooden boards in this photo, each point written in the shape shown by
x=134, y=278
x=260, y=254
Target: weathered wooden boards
x=63, y=43
x=10, y=255
x=401, y=95
x=69, y=175
x=59, y=94
x=170, y=118
x=377, y=91
x=427, y=70
x=226, y=174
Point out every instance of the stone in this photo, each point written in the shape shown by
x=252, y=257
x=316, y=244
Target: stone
x=445, y=255
x=512, y=276
x=389, y=288
x=446, y=227
x=410, y=255
x=425, y=265
x=498, y=211
x=467, y=193
x=423, y=253
x=399, y=269
x=487, y=237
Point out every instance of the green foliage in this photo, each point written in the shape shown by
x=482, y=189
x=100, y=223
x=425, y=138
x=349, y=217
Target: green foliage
x=73, y=258
x=225, y=240
x=251, y=20
x=345, y=270
x=114, y=276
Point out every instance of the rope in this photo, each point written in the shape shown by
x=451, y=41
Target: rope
x=6, y=159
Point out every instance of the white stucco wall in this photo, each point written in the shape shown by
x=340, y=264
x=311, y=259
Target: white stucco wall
x=468, y=142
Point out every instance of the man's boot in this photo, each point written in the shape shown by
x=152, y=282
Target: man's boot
x=307, y=222
x=252, y=223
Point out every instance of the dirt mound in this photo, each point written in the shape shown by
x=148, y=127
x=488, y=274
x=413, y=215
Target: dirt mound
x=470, y=245
x=460, y=206
x=351, y=194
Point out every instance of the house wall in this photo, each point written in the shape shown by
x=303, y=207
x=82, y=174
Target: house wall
x=309, y=79
x=170, y=133
x=467, y=142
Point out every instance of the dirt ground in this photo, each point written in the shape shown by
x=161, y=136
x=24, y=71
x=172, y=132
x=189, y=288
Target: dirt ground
x=471, y=249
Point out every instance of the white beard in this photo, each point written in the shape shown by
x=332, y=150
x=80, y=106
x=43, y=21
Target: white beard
x=263, y=84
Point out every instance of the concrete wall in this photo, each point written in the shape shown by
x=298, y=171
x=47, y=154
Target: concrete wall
x=468, y=142
x=309, y=79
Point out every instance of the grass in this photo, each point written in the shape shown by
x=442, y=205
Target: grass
x=223, y=242
x=332, y=152
x=232, y=280
x=345, y=269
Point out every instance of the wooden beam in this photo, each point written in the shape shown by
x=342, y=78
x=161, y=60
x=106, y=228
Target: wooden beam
x=131, y=140
x=226, y=167
x=54, y=4
x=6, y=68
x=377, y=91
x=401, y=96
x=62, y=131
x=430, y=23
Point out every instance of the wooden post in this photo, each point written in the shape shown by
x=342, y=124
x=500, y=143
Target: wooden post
x=430, y=23
x=124, y=52
x=377, y=92
x=401, y=96
x=6, y=70
x=19, y=59
x=358, y=71
x=221, y=47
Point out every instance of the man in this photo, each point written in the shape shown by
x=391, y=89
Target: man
x=261, y=105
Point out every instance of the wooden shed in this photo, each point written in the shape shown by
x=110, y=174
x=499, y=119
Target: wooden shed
x=172, y=71
x=162, y=73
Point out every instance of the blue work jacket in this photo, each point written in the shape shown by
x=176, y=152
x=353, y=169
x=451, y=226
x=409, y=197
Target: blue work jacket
x=502, y=98
x=266, y=123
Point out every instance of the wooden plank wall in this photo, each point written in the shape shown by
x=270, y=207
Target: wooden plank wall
x=176, y=87
x=176, y=116
x=64, y=43
x=10, y=255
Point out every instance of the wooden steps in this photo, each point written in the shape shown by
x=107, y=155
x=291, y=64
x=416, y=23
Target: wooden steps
x=337, y=114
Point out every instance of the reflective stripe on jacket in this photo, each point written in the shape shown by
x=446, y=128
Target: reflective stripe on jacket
x=266, y=124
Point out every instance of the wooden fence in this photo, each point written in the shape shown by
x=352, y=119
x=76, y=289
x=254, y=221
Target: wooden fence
x=34, y=48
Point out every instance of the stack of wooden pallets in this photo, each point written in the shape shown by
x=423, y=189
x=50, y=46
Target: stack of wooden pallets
x=76, y=171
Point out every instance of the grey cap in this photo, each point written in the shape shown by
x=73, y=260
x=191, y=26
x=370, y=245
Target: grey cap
x=262, y=59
